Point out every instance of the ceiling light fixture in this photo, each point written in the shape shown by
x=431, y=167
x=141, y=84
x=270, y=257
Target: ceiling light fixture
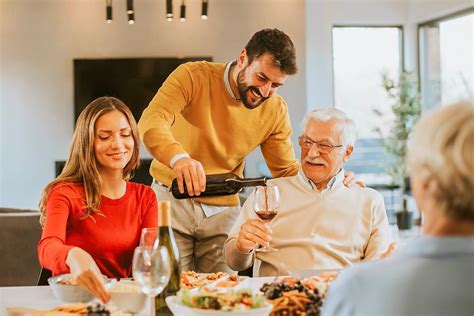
x=169, y=10
x=108, y=11
x=204, y=10
x=131, y=18
x=182, y=16
x=130, y=7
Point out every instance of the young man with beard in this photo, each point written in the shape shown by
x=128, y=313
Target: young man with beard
x=205, y=119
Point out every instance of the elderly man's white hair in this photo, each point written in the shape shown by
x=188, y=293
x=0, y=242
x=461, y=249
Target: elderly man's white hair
x=349, y=132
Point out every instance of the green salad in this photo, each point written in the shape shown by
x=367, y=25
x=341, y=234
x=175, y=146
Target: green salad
x=227, y=301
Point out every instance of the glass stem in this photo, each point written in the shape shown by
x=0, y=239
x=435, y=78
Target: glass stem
x=152, y=306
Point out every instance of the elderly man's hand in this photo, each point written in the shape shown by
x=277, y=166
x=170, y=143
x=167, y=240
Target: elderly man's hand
x=253, y=232
x=350, y=180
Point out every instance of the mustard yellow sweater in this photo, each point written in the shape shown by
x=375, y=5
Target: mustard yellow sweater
x=193, y=113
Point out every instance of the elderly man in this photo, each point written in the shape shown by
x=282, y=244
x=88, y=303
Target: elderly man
x=321, y=224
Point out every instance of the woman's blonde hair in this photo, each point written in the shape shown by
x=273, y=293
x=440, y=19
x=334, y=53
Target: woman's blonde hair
x=81, y=165
x=440, y=154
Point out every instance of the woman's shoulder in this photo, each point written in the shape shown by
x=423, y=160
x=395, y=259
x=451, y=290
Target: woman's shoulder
x=140, y=189
x=67, y=188
x=68, y=192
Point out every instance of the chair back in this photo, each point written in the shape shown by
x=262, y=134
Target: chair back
x=20, y=232
x=44, y=275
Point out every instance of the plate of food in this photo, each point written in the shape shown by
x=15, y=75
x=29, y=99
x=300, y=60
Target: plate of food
x=291, y=296
x=213, y=302
x=230, y=282
x=191, y=279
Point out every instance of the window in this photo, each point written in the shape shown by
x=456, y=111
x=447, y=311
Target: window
x=446, y=50
x=361, y=55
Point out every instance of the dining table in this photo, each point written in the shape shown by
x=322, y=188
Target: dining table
x=14, y=299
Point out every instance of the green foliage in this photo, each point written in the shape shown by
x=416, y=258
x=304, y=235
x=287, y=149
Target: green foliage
x=406, y=107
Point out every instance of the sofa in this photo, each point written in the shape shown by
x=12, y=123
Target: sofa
x=20, y=232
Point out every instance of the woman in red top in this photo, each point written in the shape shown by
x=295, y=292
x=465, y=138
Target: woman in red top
x=91, y=215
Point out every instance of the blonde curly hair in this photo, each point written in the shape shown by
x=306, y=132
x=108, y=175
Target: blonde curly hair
x=440, y=154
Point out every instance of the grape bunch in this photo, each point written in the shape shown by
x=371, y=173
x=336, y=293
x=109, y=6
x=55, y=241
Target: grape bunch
x=275, y=290
x=97, y=310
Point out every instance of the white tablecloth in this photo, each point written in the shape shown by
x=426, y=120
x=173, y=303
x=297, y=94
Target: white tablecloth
x=42, y=297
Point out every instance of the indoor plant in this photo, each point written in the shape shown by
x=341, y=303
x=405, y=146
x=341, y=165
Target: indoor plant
x=406, y=108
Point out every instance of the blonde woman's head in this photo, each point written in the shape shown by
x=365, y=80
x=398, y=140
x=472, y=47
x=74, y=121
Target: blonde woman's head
x=440, y=160
x=82, y=166
x=82, y=148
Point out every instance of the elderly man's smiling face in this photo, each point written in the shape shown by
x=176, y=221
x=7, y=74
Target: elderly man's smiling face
x=322, y=150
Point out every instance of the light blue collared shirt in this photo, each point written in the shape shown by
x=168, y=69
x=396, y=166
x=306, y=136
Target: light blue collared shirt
x=311, y=185
x=428, y=276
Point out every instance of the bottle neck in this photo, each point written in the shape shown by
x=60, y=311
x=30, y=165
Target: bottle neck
x=164, y=214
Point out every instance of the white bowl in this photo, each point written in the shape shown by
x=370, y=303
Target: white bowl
x=179, y=309
x=68, y=293
x=126, y=296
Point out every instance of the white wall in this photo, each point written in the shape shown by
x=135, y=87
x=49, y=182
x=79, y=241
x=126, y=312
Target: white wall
x=40, y=39
x=322, y=15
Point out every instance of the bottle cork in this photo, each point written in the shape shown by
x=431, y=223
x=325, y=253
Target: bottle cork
x=164, y=214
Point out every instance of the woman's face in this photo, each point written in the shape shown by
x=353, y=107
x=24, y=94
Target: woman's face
x=113, y=141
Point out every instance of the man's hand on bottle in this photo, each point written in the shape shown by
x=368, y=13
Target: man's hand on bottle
x=192, y=173
x=253, y=232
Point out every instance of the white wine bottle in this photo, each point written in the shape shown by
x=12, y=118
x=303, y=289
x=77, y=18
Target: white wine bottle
x=218, y=185
x=166, y=239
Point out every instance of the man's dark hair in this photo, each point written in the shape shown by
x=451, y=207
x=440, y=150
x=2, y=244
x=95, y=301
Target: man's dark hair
x=278, y=44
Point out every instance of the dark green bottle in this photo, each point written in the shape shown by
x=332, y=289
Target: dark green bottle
x=166, y=239
x=218, y=185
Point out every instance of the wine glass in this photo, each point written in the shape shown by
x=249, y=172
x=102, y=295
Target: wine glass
x=151, y=273
x=148, y=237
x=265, y=204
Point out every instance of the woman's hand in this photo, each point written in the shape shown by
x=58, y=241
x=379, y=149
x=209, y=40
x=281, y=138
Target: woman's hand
x=86, y=273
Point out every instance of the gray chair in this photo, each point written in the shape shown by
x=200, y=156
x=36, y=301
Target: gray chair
x=20, y=232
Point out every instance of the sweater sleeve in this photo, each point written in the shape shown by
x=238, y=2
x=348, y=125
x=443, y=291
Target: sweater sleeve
x=341, y=298
x=52, y=249
x=150, y=213
x=155, y=123
x=379, y=238
x=278, y=150
x=236, y=259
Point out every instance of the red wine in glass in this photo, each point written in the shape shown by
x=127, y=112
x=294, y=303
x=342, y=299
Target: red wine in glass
x=266, y=216
x=265, y=204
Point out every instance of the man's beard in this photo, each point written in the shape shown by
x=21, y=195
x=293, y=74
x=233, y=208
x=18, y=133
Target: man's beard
x=244, y=90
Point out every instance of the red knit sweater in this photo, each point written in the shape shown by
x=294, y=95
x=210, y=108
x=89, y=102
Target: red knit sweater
x=110, y=239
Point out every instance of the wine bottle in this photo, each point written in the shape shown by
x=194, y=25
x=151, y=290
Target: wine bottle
x=218, y=185
x=166, y=239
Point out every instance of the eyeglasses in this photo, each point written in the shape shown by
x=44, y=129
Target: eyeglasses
x=323, y=146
